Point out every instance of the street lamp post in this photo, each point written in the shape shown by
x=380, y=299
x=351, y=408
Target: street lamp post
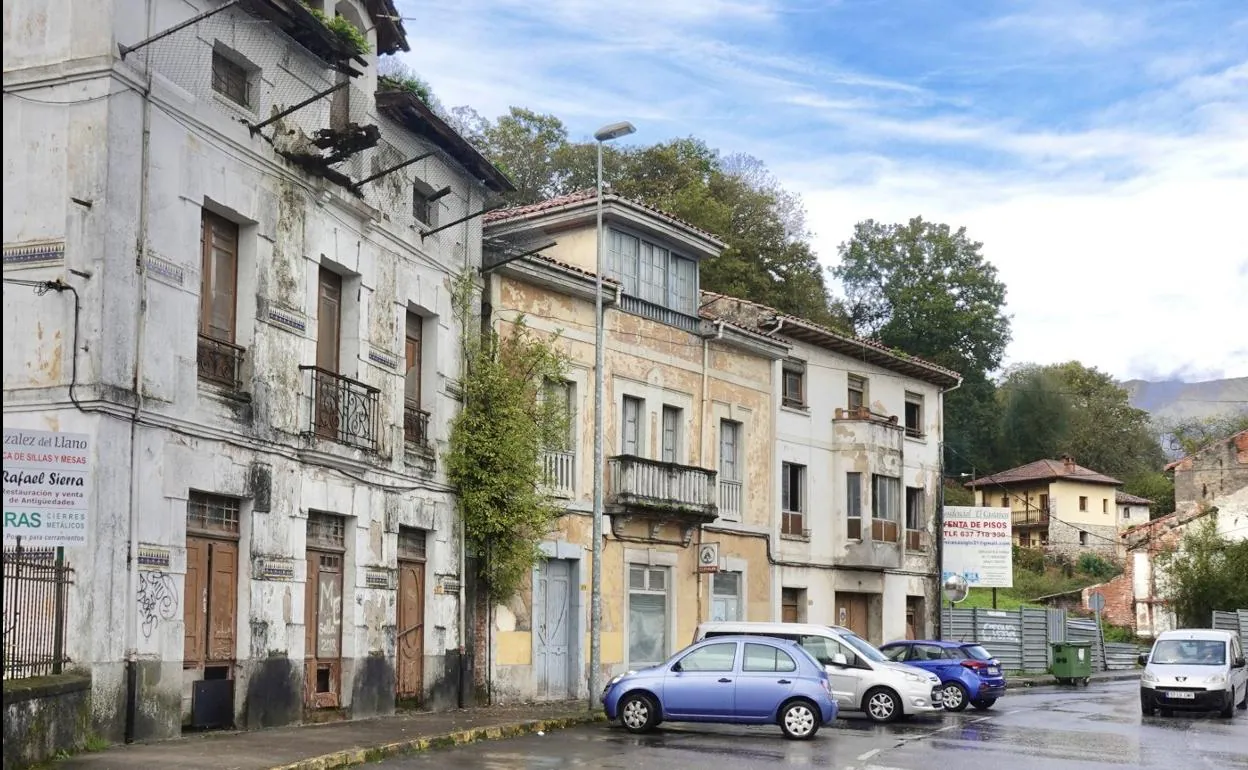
x=604, y=134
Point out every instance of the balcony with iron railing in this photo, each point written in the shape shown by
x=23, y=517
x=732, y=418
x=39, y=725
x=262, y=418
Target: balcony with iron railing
x=637, y=485
x=219, y=362
x=560, y=470
x=342, y=409
x=415, y=426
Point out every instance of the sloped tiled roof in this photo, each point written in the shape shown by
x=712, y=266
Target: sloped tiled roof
x=1123, y=498
x=755, y=316
x=1044, y=470
x=582, y=197
x=1239, y=439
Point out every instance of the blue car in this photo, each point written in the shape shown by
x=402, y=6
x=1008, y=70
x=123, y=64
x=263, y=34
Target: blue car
x=744, y=680
x=968, y=673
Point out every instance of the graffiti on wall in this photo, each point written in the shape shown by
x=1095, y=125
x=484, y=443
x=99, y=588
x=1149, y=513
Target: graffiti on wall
x=158, y=599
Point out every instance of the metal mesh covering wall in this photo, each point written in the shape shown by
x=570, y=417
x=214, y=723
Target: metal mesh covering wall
x=280, y=74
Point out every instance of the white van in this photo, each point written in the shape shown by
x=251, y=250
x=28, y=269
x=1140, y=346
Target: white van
x=862, y=678
x=1198, y=669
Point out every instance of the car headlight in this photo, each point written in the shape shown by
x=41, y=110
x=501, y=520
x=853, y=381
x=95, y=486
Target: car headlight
x=1216, y=679
x=914, y=678
x=1149, y=678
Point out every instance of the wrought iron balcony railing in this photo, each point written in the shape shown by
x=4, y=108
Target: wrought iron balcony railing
x=415, y=426
x=343, y=409
x=219, y=362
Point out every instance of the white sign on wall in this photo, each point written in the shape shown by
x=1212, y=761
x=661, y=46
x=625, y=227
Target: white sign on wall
x=47, y=484
x=978, y=545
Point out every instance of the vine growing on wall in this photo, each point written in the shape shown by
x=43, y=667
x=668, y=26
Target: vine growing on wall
x=497, y=439
x=347, y=32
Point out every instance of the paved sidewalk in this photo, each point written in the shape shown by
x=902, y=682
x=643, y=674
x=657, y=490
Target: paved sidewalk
x=337, y=744
x=1047, y=680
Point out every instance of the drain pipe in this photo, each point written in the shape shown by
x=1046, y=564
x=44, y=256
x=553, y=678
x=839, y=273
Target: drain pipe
x=940, y=519
x=132, y=550
x=706, y=362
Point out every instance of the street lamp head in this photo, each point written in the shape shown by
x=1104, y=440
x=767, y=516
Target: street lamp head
x=614, y=131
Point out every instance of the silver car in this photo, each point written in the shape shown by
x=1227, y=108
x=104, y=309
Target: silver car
x=1194, y=670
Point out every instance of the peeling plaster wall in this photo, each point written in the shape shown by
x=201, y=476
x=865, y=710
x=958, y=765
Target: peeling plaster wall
x=193, y=436
x=662, y=365
x=830, y=449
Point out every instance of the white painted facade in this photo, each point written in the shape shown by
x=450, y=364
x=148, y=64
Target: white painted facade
x=94, y=168
x=894, y=578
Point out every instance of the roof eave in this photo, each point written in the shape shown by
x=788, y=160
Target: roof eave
x=407, y=109
x=804, y=331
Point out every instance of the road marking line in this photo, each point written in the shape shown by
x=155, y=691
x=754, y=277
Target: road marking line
x=946, y=727
x=981, y=719
x=867, y=755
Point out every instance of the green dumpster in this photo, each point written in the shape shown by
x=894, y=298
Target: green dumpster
x=1072, y=662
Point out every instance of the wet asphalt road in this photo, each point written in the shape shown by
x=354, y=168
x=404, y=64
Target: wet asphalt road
x=1095, y=727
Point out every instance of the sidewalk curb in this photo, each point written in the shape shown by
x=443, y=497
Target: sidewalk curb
x=360, y=756
x=1113, y=676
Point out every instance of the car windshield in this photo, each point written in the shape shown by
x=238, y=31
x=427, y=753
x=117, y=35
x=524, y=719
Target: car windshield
x=977, y=652
x=1189, y=652
x=863, y=648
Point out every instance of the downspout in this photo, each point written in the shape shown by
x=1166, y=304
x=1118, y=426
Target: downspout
x=463, y=531
x=940, y=518
x=704, y=409
x=773, y=497
x=132, y=564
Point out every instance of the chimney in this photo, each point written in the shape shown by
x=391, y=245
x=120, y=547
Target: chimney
x=1069, y=462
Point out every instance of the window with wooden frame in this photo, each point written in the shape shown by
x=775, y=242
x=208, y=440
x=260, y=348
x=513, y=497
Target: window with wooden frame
x=885, y=508
x=230, y=78
x=415, y=417
x=218, y=357
x=914, y=415
x=857, y=393
x=794, y=384
x=853, y=506
x=914, y=519
x=793, y=499
x=672, y=419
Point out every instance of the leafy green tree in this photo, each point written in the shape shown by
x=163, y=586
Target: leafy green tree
x=926, y=289
x=1207, y=572
x=1155, y=486
x=524, y=144
x=1106, y=433
x=496, y=440
x=1035, y=415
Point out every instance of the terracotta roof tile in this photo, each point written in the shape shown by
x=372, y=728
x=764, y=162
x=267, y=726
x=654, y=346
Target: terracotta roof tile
x=1124, y=498
x=1044, y=470
x=584, y=196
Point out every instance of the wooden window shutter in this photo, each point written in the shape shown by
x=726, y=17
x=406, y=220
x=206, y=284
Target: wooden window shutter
x=222, y=599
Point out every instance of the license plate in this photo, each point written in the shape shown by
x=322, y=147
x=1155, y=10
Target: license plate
x=1182, y=695
x=993, y=671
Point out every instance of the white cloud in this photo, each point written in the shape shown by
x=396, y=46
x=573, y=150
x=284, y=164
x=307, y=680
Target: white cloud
x=1115, y=225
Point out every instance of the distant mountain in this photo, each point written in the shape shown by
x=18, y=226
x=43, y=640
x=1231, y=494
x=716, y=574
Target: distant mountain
x=1175, y=400
x=1171, y=401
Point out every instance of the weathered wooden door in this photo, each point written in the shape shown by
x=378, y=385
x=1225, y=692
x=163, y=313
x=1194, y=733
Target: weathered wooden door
x=323, y=631
x=552, y=612
x=851, y=612
x=411, y=641
x=209, y=612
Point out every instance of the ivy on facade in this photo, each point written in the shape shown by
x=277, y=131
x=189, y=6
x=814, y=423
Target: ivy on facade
x=496, y=443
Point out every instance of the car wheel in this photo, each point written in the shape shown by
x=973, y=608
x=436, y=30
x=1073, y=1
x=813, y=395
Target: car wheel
x=954, y=697
x=983, y=704
x=1243, y=704
x=1229, y=711
x=799, y=720
x=638, y=712
x=881, y=705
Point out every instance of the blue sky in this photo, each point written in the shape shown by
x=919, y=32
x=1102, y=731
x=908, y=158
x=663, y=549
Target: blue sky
x=1099, y=150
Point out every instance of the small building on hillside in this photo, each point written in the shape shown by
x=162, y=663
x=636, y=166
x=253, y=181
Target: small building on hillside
x=1212, y=482
x=1132, y=509
x=1056, y=504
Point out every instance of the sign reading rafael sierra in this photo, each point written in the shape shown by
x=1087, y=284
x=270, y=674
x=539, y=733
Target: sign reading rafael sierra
x=47, y=481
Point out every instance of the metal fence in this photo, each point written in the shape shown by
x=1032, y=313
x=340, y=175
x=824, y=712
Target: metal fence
x=36, y=583
x=1021, y=639
x=1236, y=620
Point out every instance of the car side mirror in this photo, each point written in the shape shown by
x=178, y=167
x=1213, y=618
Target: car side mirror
x=839, y=660
x=677, y=667
x=1143, y=659
x=1239, y=663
